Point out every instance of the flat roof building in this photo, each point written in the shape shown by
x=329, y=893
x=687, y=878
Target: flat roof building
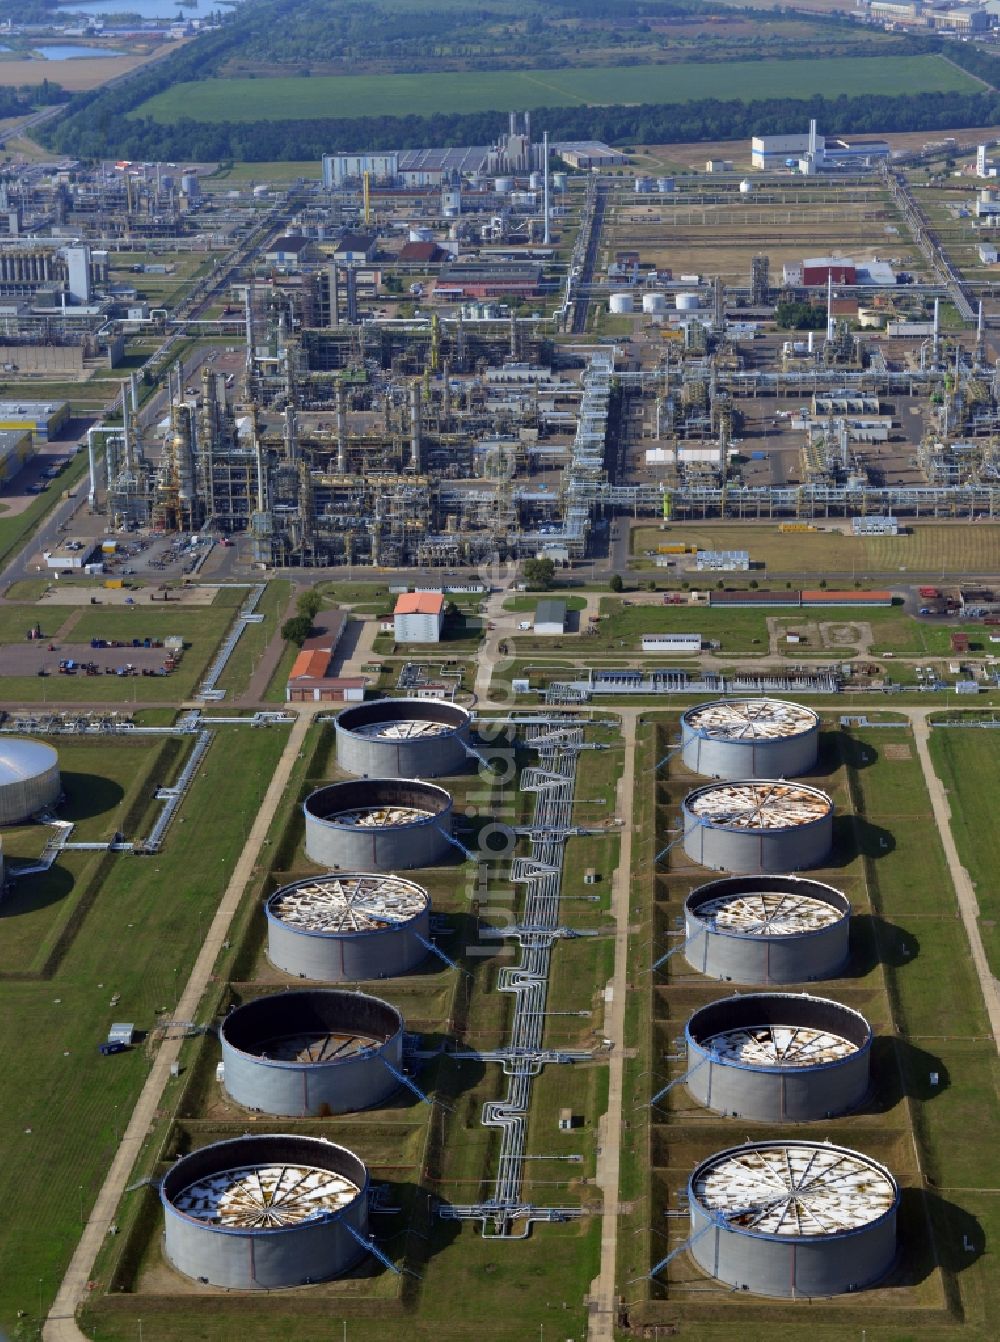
x=550, y=617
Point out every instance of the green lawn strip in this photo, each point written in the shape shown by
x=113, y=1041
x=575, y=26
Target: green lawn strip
x=968, y=763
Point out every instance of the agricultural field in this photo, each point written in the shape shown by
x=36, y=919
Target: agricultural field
x=906, y=940
x=928, y=550
x=135, y=937
x=215, y=100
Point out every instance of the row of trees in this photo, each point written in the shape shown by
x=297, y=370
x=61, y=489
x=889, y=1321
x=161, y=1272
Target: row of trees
x=97, y=130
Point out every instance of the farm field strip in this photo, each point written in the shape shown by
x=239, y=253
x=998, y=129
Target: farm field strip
x=219, y=100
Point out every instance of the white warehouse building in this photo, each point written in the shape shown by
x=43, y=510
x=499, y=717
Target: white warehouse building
x=819, y=152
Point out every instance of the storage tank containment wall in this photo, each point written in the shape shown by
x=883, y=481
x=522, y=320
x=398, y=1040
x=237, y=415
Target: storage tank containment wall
x=309, y=1053
x=265, y=1212
x=778, y=1057
x=793, y=1219
x=767, y=929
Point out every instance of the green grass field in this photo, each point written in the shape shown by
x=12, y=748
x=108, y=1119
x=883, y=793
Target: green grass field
x=927, y=549
x=139, y=938
x=216, y=100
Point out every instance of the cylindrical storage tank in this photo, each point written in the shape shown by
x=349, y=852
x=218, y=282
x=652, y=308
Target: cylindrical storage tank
x=166, y=182
x=378, y=824
x=654, y=303
x=664, y=184
x=758, y=825
x=503, y=185
x=310, y=1053
x=622, y=304
x=536, y=181
x=560, y=180
x=403, y=738
x=451, y=200
x=767, y=929
x=687, y=302
x=778, y=1057
x=348, y=926
x=793, y=1219
x=190, y=184
x=750, y=738
x=746, y=187
x=265, y=1212
x=29, y=779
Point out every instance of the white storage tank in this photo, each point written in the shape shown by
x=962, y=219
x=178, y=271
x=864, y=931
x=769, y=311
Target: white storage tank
x=664, y=185
x=654, y=303
x=536, y=181
x=621, y=304
x=503, y=186
x=451, y=201
x=29, y=779
x=560, y=181
x=688, y=302
x=190, y=185
x=746, y=187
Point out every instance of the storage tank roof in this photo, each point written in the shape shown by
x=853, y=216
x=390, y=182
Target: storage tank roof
x=750, y=719
x=266, y=1197
x=770, y=805
x=771, y=913
x=352, y=902
x=21, y=759
x=794, y=1189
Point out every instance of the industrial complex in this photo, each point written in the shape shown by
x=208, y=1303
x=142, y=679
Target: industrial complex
x=494, y=642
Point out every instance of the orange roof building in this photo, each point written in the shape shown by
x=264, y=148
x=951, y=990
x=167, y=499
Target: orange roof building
x=418, y=617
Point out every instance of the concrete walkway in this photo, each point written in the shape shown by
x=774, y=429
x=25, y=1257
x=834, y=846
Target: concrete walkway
x=965, y=891
x=603, y=1290
x=61, y=1326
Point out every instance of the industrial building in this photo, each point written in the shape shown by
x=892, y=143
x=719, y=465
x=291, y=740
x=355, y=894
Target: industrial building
x=30, y=784
x=16, y=450
x=750, y=738
x=404, y=738
x=757, y=826
x=378, y=824
x=778, y=1057
x=418, y=617
x=767, y=930
x=347, y=927
x=550, y=616
x=309, y=1053
x=44, y=419
x=793, y=1219
x=810, y=152
x=265, y=1212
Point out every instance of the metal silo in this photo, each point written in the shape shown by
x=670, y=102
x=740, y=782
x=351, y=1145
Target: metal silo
x=793, y=1219
x=309, y=1053
x=750, y=738
x=778, y=1057
x=756, y=825
x=767, y=929
x=403, y=738
x=378, y=824
x=29, y=779
x=265, y=1212
x=347, y=927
